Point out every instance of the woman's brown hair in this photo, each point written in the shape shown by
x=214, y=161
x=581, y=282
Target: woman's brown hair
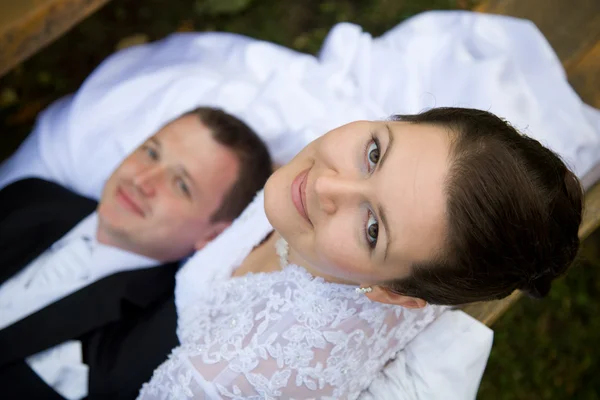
x=513, y=214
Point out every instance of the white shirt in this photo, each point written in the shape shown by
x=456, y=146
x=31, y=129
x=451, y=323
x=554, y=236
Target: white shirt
x=71, y=263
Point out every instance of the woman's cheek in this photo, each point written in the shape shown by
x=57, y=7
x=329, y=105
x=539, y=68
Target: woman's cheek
x=335, y=254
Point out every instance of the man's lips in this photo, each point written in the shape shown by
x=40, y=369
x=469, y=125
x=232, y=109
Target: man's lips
x=299, y=194
x=129, y=202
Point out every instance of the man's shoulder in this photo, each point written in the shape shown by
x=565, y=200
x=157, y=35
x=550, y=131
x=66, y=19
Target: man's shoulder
x=35, y=191
x=27, y=184
x=37, y=186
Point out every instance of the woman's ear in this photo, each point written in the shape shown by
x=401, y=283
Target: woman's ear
x=384, y=295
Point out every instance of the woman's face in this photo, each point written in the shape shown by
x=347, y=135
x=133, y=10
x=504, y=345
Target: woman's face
x=362, y=203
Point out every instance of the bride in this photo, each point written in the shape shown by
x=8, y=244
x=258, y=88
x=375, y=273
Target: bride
x=376, y=224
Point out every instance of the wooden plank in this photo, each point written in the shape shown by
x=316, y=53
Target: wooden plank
x=571, y=26
x=573, y=30
x=488, y=312
x=28, y=25
x=591, y=214
x=584, y=76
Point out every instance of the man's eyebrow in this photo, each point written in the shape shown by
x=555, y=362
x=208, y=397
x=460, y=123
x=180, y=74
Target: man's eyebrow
x=380, y=209
x=155, y=141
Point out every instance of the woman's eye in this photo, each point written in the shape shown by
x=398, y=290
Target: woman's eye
x=373, y=155
x=372, y=230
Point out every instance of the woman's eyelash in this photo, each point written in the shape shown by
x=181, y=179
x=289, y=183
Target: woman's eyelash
x=372, y=150
x=371, y=241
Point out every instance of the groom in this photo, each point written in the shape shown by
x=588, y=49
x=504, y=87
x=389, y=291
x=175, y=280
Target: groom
x=86, y=289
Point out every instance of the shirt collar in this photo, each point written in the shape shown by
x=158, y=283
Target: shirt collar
x=87, y=229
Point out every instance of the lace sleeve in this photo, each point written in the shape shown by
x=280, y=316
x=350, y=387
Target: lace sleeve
x=283, y=335
x=444, y=362
x=180, y=378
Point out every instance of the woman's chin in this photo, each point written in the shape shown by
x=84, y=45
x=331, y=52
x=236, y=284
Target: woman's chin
x=273, y=200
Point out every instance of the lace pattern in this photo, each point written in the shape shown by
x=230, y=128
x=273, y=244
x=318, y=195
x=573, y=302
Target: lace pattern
x=283, y=334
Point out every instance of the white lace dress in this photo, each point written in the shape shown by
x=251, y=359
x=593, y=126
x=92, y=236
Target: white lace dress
x=282, y=334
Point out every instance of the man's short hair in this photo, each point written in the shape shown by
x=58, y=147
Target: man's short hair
x=255, y=162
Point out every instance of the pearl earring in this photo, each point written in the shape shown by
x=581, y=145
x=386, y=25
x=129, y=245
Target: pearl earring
x=363, y=290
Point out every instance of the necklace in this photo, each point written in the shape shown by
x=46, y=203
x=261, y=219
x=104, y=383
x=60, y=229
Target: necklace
x=282, y=249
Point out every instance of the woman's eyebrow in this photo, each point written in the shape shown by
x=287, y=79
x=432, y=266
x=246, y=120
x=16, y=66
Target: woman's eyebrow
x=389, y=145
x=380, y=209
x=388, y=235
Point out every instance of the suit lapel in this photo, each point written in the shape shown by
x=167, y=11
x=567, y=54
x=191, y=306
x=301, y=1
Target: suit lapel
x=123, y=355
x=94, y=306
x=33, y=215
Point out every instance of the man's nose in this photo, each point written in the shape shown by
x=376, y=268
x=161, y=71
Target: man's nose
x=148, y=180
x=334, y=191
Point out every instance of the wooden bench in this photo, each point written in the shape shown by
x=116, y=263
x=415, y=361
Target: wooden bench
x=571, y=26
x=26, y=26
x=573, y=29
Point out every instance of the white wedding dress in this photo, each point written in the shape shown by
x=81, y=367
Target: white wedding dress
x=275, y=335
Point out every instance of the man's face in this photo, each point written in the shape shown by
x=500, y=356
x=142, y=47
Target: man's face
x=159, y=201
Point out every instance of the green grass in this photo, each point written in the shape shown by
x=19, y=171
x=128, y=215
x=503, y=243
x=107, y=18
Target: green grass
x=549, y=349
x=545, y=349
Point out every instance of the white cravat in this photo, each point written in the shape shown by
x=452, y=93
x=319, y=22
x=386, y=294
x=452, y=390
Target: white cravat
x=70, y=264
x=58, y=271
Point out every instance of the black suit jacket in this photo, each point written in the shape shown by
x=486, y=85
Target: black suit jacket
x=126, y=321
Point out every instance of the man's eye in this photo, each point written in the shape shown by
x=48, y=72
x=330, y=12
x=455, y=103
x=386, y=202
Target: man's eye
x=183, y=187
x=153, y=154
x=373, y=154
x=372, y=230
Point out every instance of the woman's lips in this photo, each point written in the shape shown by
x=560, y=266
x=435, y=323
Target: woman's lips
x=299, y=194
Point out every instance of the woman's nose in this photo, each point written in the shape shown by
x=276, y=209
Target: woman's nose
x=334, y=191
x=148, y=180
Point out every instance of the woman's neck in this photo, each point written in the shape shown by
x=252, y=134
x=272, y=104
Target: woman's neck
x=295, y=258
x=263, y=258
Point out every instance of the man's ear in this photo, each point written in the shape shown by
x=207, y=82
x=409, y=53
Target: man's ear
x=384, y=295
x=212, y=232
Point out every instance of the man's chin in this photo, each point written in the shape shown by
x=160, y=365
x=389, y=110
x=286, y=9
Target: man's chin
x=115, y=223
